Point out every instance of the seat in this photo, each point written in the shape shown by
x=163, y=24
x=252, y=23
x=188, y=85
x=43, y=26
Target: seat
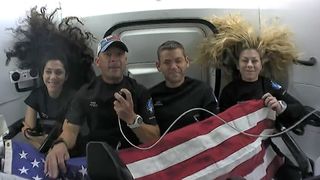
x=102, y=157
x=304, y=164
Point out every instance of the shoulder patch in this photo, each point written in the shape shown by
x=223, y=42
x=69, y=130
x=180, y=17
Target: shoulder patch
x=149, y=106
x=275, y=85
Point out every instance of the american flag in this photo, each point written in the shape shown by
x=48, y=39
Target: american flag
x=23, y=160
x=211, y=149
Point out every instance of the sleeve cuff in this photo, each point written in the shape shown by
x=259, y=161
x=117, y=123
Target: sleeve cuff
x=283, y=106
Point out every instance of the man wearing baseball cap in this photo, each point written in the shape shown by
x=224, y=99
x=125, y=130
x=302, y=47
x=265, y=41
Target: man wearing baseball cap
x=101, y=103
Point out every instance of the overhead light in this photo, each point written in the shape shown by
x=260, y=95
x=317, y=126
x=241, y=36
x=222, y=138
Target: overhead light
x=139, y=71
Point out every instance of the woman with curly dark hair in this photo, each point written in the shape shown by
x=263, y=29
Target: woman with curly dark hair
x=61, y=55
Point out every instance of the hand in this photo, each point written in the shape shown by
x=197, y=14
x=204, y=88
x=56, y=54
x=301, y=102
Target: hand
x=124, y=106
x=55, y=160
x=25, y=126
x=36, y=141
x=272, y=102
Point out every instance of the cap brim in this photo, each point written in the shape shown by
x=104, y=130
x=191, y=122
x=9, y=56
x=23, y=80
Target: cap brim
x=118, y=44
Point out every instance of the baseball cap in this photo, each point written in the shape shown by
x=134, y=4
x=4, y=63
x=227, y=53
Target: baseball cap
x=113, y=40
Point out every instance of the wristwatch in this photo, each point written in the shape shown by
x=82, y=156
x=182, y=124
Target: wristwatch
x=136, y=123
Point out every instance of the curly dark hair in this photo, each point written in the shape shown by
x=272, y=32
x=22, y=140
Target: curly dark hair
x=40, y=38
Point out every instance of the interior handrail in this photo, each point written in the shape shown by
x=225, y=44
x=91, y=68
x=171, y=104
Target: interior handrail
x=310, y=62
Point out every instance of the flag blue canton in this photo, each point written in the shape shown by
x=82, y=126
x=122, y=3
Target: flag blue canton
x=23, y=160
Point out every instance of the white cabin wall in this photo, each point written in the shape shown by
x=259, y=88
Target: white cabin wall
x=98, y=25
x=303, y=19
x=304, y=83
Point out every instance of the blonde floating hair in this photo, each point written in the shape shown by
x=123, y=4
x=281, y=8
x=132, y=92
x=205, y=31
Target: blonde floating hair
x=273, y=43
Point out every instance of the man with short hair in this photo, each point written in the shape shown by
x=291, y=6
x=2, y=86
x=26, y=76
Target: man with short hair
x=179, y=93
x=109, y=98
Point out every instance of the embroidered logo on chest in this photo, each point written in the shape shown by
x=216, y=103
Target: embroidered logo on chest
x=93, y=104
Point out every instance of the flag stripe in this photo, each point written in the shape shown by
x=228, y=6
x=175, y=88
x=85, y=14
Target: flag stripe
x=219, y=154
x=229, y=163
x=246, y=167
x=272, y=169
x=260, y=171
x=190, y=149
x=193, y=146
x=178, y=137
x=225, y=149
x=260, y=166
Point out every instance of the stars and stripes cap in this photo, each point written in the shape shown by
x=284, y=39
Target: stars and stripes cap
x=112, y=40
